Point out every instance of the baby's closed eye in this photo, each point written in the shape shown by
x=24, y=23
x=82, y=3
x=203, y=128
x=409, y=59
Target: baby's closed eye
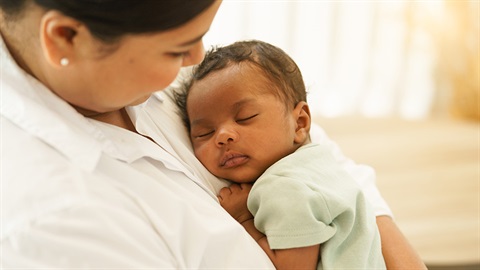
x=246, y=119
x=202, y=134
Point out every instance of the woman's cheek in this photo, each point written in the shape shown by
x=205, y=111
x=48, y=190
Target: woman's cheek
x=168, y=73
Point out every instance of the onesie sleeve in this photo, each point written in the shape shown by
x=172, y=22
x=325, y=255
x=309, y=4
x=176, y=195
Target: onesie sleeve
x=364, y=175
x=290, y=213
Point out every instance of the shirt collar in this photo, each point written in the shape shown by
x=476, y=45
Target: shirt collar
x=37, y=110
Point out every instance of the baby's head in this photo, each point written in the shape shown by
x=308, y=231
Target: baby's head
x=245, y=108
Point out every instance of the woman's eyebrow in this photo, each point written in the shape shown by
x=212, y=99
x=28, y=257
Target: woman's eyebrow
x=195, y=40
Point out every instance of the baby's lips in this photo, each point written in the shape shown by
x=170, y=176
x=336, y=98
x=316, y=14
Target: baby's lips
x=231, y=156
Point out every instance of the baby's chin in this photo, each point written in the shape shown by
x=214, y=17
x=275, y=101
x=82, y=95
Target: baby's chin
x=243, y=179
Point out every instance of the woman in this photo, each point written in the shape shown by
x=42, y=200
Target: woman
x=91, y=180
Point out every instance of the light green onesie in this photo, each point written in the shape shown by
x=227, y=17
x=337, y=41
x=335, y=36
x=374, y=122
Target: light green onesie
x=307, y=198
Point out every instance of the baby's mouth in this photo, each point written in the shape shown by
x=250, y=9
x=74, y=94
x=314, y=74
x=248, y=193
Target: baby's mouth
x=233, y=159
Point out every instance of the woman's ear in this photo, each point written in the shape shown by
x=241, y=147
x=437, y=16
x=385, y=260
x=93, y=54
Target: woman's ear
x=57, y=33
x=301, y=114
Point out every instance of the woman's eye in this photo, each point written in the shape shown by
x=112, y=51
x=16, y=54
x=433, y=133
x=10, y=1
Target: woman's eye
x=246, y=118
x=178, y=54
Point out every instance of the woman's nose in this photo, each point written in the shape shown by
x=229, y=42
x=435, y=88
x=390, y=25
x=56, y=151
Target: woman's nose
x=226, y=136
x=195, y=55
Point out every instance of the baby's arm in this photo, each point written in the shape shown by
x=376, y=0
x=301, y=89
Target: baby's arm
x=234, y=200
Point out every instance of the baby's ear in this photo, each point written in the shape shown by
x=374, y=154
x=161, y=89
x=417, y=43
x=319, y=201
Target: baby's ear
x=301, y=113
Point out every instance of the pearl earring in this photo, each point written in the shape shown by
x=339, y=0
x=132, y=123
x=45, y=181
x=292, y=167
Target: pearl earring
x=64, y=61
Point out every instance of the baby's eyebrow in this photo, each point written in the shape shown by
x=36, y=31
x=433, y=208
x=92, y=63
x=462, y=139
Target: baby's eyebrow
x=235, y=108
x=239, y=104
x=197, y=122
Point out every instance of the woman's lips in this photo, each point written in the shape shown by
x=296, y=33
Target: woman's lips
x=233, y=160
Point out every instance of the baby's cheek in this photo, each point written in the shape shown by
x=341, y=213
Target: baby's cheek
x=205, y=156
x=197, y=150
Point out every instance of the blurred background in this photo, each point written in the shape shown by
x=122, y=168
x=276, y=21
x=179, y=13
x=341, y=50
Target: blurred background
x=413, y=59
x=397, y=85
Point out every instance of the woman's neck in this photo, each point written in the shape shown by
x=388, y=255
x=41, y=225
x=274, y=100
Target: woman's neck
x=118, y=118
x=13, y=43
x=20, y=35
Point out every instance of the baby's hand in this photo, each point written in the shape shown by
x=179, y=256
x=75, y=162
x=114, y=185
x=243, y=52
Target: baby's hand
x=234, y=200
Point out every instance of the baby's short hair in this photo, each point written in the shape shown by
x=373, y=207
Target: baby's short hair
x=273, y=62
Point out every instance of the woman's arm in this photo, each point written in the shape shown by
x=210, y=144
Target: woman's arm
x=234, y=200
x=291, y=258
x=397, y=251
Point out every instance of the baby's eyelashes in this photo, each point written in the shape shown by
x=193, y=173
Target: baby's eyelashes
x=241, y=120
x=200, y=135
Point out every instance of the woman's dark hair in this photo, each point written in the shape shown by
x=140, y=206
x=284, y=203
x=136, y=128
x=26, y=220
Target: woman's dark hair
x=108, y=20
x=272, y=61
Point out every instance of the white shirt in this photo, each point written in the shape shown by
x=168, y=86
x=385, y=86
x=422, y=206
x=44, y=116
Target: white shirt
x=76, y=192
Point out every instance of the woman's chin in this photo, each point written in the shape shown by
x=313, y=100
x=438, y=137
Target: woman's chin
x=140, y=100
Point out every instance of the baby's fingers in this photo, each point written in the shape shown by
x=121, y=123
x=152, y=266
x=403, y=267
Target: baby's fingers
x=224, y=193
x=246, y=186
x=234, y=188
